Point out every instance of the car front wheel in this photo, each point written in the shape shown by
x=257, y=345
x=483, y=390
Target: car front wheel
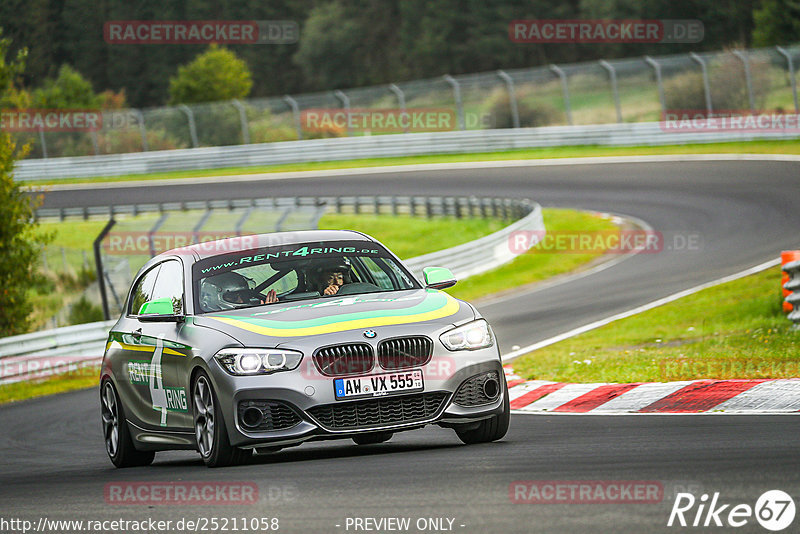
x=487, y=430
x=119, y=444
x=209, y=427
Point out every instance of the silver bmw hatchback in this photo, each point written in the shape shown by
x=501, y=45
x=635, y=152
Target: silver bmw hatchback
x=257, y=343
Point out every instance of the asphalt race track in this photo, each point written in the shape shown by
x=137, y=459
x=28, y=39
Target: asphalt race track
x=52, y=461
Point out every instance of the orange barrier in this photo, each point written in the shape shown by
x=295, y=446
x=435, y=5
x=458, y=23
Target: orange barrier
x=787, y=256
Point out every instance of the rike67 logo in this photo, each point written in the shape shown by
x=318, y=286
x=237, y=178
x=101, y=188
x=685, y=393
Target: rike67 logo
x=774, y=510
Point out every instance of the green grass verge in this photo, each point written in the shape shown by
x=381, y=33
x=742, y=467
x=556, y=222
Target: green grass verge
x=83, y=379
x=734, y=330
x=65, y=279
x=754, y=147
x=413, y=236
x=536, y=266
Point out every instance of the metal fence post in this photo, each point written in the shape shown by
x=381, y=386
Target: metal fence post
x=565, y=90
x=158, y=224
x=401, y=99
x=457, y=97
x=243, y=119
x=345, y=100
x=43, y=142
x=512, y=97
x=296, y=113
x=142, y=130
x=95, y=143
x=242, y=220
x=706, y=86
x=98, y=262
x=747, y=78
x=659, y=81
x=192, y=126
x=782, y=51
x=199, y=226
x=612, y=76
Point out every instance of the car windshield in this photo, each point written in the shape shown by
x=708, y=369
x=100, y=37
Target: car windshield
x=296, y=272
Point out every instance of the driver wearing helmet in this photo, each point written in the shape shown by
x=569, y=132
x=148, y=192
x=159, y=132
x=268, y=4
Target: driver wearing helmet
x=333, y=275
x=227, y=291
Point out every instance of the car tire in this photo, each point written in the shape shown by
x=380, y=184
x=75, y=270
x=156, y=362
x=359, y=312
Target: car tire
x=490, y=429
x=372, y=438
x=211, y=434
x=117, y=435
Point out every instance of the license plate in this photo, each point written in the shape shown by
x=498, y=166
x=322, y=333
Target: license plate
x=378, y=385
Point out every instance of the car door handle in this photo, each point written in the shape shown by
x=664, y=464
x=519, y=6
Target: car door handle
x=137, y=333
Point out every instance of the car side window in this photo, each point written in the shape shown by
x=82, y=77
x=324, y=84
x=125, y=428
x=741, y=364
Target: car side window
x=378, y=274
x=143, y=290
x=169, y=284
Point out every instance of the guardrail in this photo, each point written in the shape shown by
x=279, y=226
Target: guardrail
x=34, y=355
x=485, y=253
x=379, y=146
x=457, y=207
x=48, y=352
x=793, y=285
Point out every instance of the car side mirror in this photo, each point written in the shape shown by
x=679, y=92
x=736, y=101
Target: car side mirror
x=159, y=310
x=438, y=277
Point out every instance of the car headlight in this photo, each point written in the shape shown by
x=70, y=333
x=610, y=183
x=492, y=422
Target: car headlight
x=258, y=361
x=470, y=336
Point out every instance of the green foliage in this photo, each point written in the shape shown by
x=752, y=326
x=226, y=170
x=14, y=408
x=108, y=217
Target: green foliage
x=348, y=43
x=777, y=22
x=84, y=311
x=217, y=74
x=69, y=90
x=10, y=72
x=18, y=240
x=529, y=116
x=19, y=244
x=728, y=86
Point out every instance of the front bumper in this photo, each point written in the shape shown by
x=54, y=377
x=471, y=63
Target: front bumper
x=310, y=396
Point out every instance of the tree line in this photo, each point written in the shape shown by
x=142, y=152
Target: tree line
x=351, y=43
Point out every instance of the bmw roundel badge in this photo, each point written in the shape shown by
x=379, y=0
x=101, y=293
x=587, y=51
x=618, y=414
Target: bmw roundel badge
x=369, y=334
